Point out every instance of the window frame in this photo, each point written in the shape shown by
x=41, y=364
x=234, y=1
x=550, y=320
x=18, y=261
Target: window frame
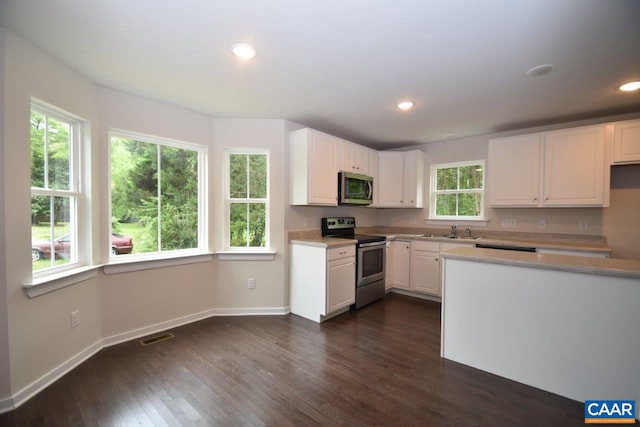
x=81, y=252
x=434, y=192
x=227, y=152
x=202, y=247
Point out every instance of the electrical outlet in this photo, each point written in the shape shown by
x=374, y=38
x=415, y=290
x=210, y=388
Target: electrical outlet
x=75, y=319
x=542, y=224
x=251, y=283
x=508, y=223
x=583, y=225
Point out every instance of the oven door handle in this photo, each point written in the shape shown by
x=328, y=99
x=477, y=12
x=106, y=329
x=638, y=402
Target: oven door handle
x=368, y=245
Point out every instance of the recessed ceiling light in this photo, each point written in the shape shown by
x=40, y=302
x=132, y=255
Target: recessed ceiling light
x=405, y=105
x=540, y=70
x=630, y=87
x=243, y=50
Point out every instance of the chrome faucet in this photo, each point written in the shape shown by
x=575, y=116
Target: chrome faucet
x=468, y=233
x=454, y=231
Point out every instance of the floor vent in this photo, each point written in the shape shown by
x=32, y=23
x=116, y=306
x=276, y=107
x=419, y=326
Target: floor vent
x=156, y=339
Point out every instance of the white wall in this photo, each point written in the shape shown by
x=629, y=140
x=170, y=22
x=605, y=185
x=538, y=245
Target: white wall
x=39, y=333
x=5, y=383
x=271, y=291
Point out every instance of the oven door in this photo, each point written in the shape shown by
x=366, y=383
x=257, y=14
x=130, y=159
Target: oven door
x=371, y=260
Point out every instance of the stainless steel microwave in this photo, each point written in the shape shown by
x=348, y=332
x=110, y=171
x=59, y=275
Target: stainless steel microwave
x=355, y=189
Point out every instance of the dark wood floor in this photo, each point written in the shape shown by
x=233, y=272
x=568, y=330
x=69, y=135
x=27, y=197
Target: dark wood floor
x=376, y=366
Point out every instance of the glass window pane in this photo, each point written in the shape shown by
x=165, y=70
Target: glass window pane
x=179, y=198
x=447, y=179
x=238, y=224
x=238, y=176
x=258, y=176
x=37, y=149
x=134, y=191
x=446, y=204
x=58, y=149
x=52, y=242
x=471, y=177
x=257, y=224
x=469, y=204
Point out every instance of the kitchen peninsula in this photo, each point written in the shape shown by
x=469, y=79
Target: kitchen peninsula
x=565, y=324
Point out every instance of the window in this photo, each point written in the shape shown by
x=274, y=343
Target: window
x=457, y=191
x=247, y=199
x=156, y=195
x=55, y=190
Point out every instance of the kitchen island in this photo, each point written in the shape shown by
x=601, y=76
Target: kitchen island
x=568, y=325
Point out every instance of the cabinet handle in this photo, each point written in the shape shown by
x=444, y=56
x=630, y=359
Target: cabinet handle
x=546, y=198
x=436, y=259
x=535, y=199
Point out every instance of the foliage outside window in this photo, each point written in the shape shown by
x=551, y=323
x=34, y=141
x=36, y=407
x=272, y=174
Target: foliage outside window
x=457, y=190
x=156, y=189
x=55, y=193
x=247, y=199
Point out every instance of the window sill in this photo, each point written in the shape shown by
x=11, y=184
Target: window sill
x=54, y=282
x=138, y=264
x=462, y=222
x=246, y=255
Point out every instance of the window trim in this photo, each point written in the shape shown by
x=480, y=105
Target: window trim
x=146, y=257
x=76, y=194
x=253, y=252
x=433, y=192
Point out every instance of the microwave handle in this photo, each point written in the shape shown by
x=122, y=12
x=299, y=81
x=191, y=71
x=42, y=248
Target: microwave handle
x=370, y=185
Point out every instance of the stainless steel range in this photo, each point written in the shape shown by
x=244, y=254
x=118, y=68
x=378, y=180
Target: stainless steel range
x=370, y=258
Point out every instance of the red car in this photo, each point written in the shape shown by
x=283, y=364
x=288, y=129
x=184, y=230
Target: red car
x=41, y=249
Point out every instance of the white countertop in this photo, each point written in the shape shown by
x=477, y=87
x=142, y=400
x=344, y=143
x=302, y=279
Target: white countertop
x=326, y=242
x=603, y=266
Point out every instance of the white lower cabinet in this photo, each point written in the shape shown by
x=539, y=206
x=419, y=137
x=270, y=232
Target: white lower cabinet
x=424, y=273
x=400, y=261
x=322, y=280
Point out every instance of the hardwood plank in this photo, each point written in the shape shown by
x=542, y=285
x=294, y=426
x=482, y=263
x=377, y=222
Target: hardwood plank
x=379, y=365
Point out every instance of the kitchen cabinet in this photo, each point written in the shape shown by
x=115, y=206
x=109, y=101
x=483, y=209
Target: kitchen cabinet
x=565, y=168
x=313, y=168
x=400, y=260
x=626, y=142
x=354, y=158
x=322, y=280
x=425, y=267
x=341, y=273
x=373, y=172
x=401, y=179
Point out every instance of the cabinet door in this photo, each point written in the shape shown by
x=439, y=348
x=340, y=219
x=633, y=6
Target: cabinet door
x=413, y=185
x=425, y=272
x=574, y=167
x=388, y=274
x=373, y=172
x=341, y=283
x=513, y=171
x=362, y=159
x=354, y=157
x=323, y=169
x=401, y=263
x=390, y=179
x=626, y=142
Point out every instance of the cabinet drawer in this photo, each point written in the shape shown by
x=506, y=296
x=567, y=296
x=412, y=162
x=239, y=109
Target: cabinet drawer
x=341, y=252
x=422, y=245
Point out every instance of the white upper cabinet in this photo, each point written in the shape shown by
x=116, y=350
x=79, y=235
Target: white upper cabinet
x=313, y=168
x=626, y=142
x=514, y=171
x=354, y=158
x=400, y=179
x=574, y=166
x=563, y=168
x=373, y=172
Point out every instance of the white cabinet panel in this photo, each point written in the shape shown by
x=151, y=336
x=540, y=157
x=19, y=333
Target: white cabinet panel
x=401, y=259
x=425, y=272
x=626, y=142
x=566, y=168
x=401, y=179
x=313, y=168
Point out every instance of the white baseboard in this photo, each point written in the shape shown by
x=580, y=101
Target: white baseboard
x=12, y=402
x=153, y=329
x=257, y=311
x=49, y=378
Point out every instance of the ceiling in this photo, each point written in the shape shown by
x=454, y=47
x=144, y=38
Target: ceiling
x=341, y=66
